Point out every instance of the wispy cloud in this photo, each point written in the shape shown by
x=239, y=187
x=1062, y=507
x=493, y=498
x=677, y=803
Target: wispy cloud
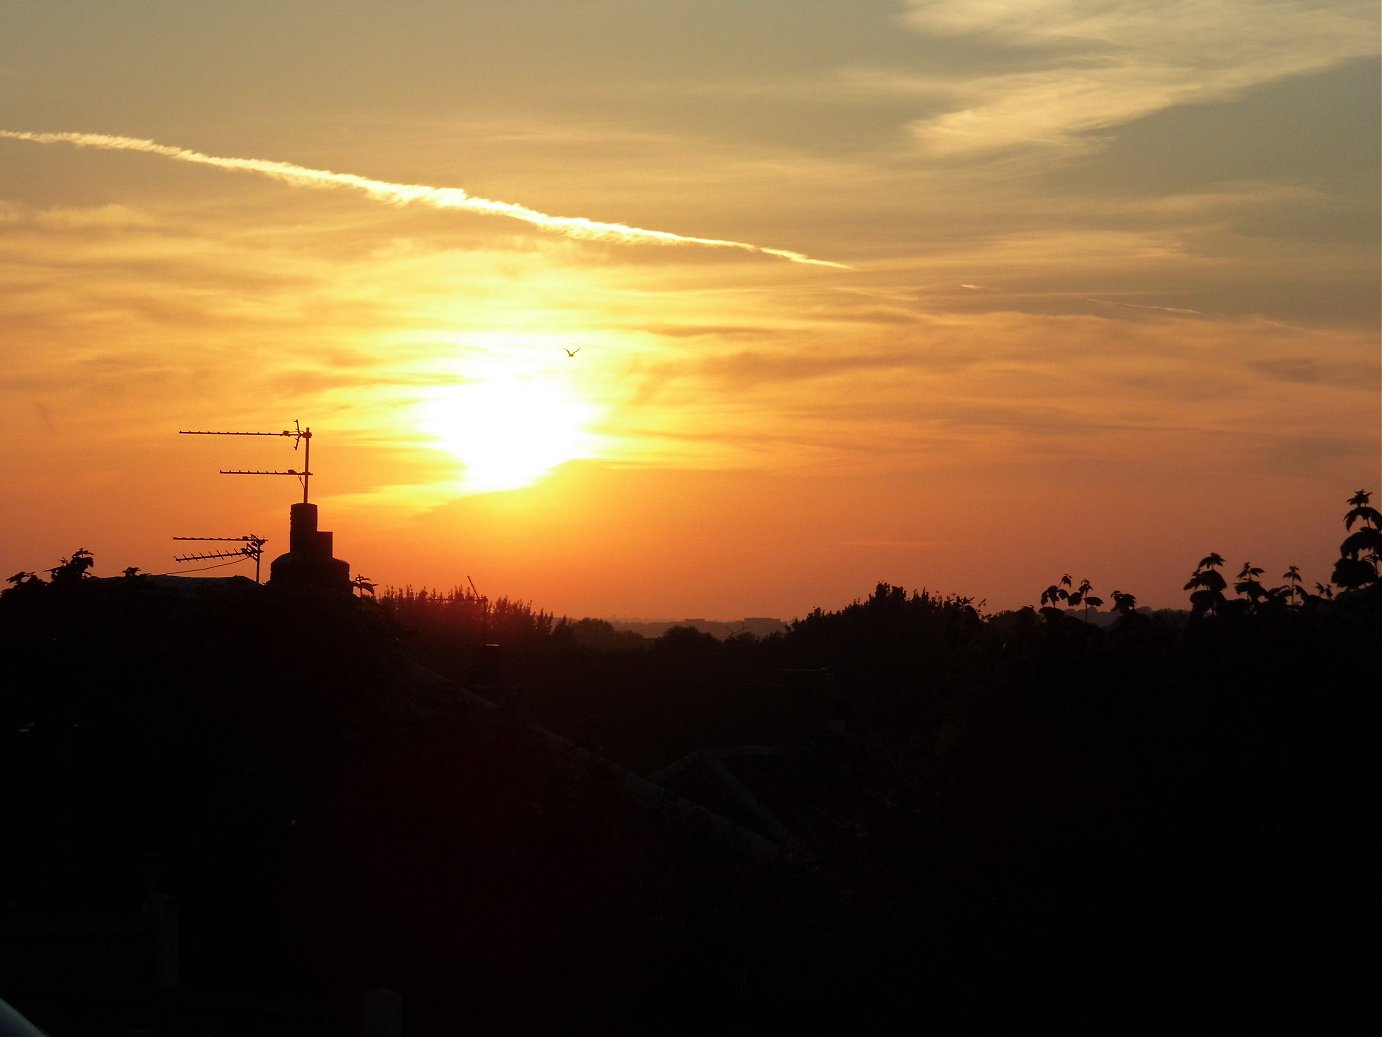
x=411, y=194
x=1108, y=63
x=103, y=217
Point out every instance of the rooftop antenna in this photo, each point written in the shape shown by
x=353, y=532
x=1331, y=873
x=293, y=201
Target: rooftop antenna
x=254, y=548
x=300, y=436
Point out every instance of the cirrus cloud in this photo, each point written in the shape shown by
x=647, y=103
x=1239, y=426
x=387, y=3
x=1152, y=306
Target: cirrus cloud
x=1109, y=63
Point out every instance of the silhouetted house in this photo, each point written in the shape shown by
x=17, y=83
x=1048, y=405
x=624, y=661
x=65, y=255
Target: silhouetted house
x=736, y=784
x=309, y=561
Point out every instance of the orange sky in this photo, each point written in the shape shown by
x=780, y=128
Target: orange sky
x=1096, y=291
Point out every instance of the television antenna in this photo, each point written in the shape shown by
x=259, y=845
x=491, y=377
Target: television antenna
x=254, y=548
x=301, y=437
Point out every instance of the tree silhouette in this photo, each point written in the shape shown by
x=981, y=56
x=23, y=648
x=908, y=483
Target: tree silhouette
x=74, y=569
x=1206, y=586
x=956, y=784
x=1081, y=596
x=1292, y=591
x=1051, y=598
x=1249, y=586
x=1053, y=595
x=1361, y=550
x=1124, y=604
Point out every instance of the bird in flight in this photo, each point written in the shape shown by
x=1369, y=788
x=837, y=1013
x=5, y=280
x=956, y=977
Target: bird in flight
x=572, y=352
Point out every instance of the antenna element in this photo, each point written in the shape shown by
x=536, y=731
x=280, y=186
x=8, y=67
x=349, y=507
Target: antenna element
x=254, y=548
x=299, y=435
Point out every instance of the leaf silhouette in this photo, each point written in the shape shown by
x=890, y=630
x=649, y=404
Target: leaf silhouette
x=1351, y=573
x=1369, y=515
x=1206, y=579
x=1364, y=540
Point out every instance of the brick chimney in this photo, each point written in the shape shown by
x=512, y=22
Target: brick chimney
x=309, y=561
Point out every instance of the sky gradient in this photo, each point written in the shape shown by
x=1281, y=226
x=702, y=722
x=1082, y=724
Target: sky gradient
x=958, y=297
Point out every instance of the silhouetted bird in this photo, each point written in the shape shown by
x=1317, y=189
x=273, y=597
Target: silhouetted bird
x=572, y=352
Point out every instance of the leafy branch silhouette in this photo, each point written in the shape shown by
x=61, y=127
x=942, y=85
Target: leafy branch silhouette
x=74, y=569
x=1361, y=551
x=1206, y=586
x=1053, y=595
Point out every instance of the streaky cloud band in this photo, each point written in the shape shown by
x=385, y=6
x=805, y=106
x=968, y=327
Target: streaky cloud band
x=411, y=194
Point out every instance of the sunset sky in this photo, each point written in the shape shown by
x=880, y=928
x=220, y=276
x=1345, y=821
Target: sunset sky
x=958, y=296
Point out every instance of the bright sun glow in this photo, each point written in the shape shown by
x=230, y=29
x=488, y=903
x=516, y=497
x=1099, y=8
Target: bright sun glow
x=508, y=428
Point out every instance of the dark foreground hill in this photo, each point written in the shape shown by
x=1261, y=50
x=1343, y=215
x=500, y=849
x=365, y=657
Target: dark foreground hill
x=896, y=817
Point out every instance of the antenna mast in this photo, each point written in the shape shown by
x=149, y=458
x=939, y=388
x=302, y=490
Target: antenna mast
x=309, y=561
x=301, y=437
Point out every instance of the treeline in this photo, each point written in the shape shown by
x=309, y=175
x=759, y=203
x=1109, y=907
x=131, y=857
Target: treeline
x=1080, y=819
x=894, y=656
x=1014, y=821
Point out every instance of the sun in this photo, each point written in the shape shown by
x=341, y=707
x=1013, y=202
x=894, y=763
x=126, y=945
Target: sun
x=509, y=427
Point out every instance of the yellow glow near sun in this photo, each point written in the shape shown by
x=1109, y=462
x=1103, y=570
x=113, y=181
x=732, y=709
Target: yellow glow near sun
x=509, y=427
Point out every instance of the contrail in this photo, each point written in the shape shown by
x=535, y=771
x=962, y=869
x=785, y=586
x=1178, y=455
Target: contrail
x=410, y=194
